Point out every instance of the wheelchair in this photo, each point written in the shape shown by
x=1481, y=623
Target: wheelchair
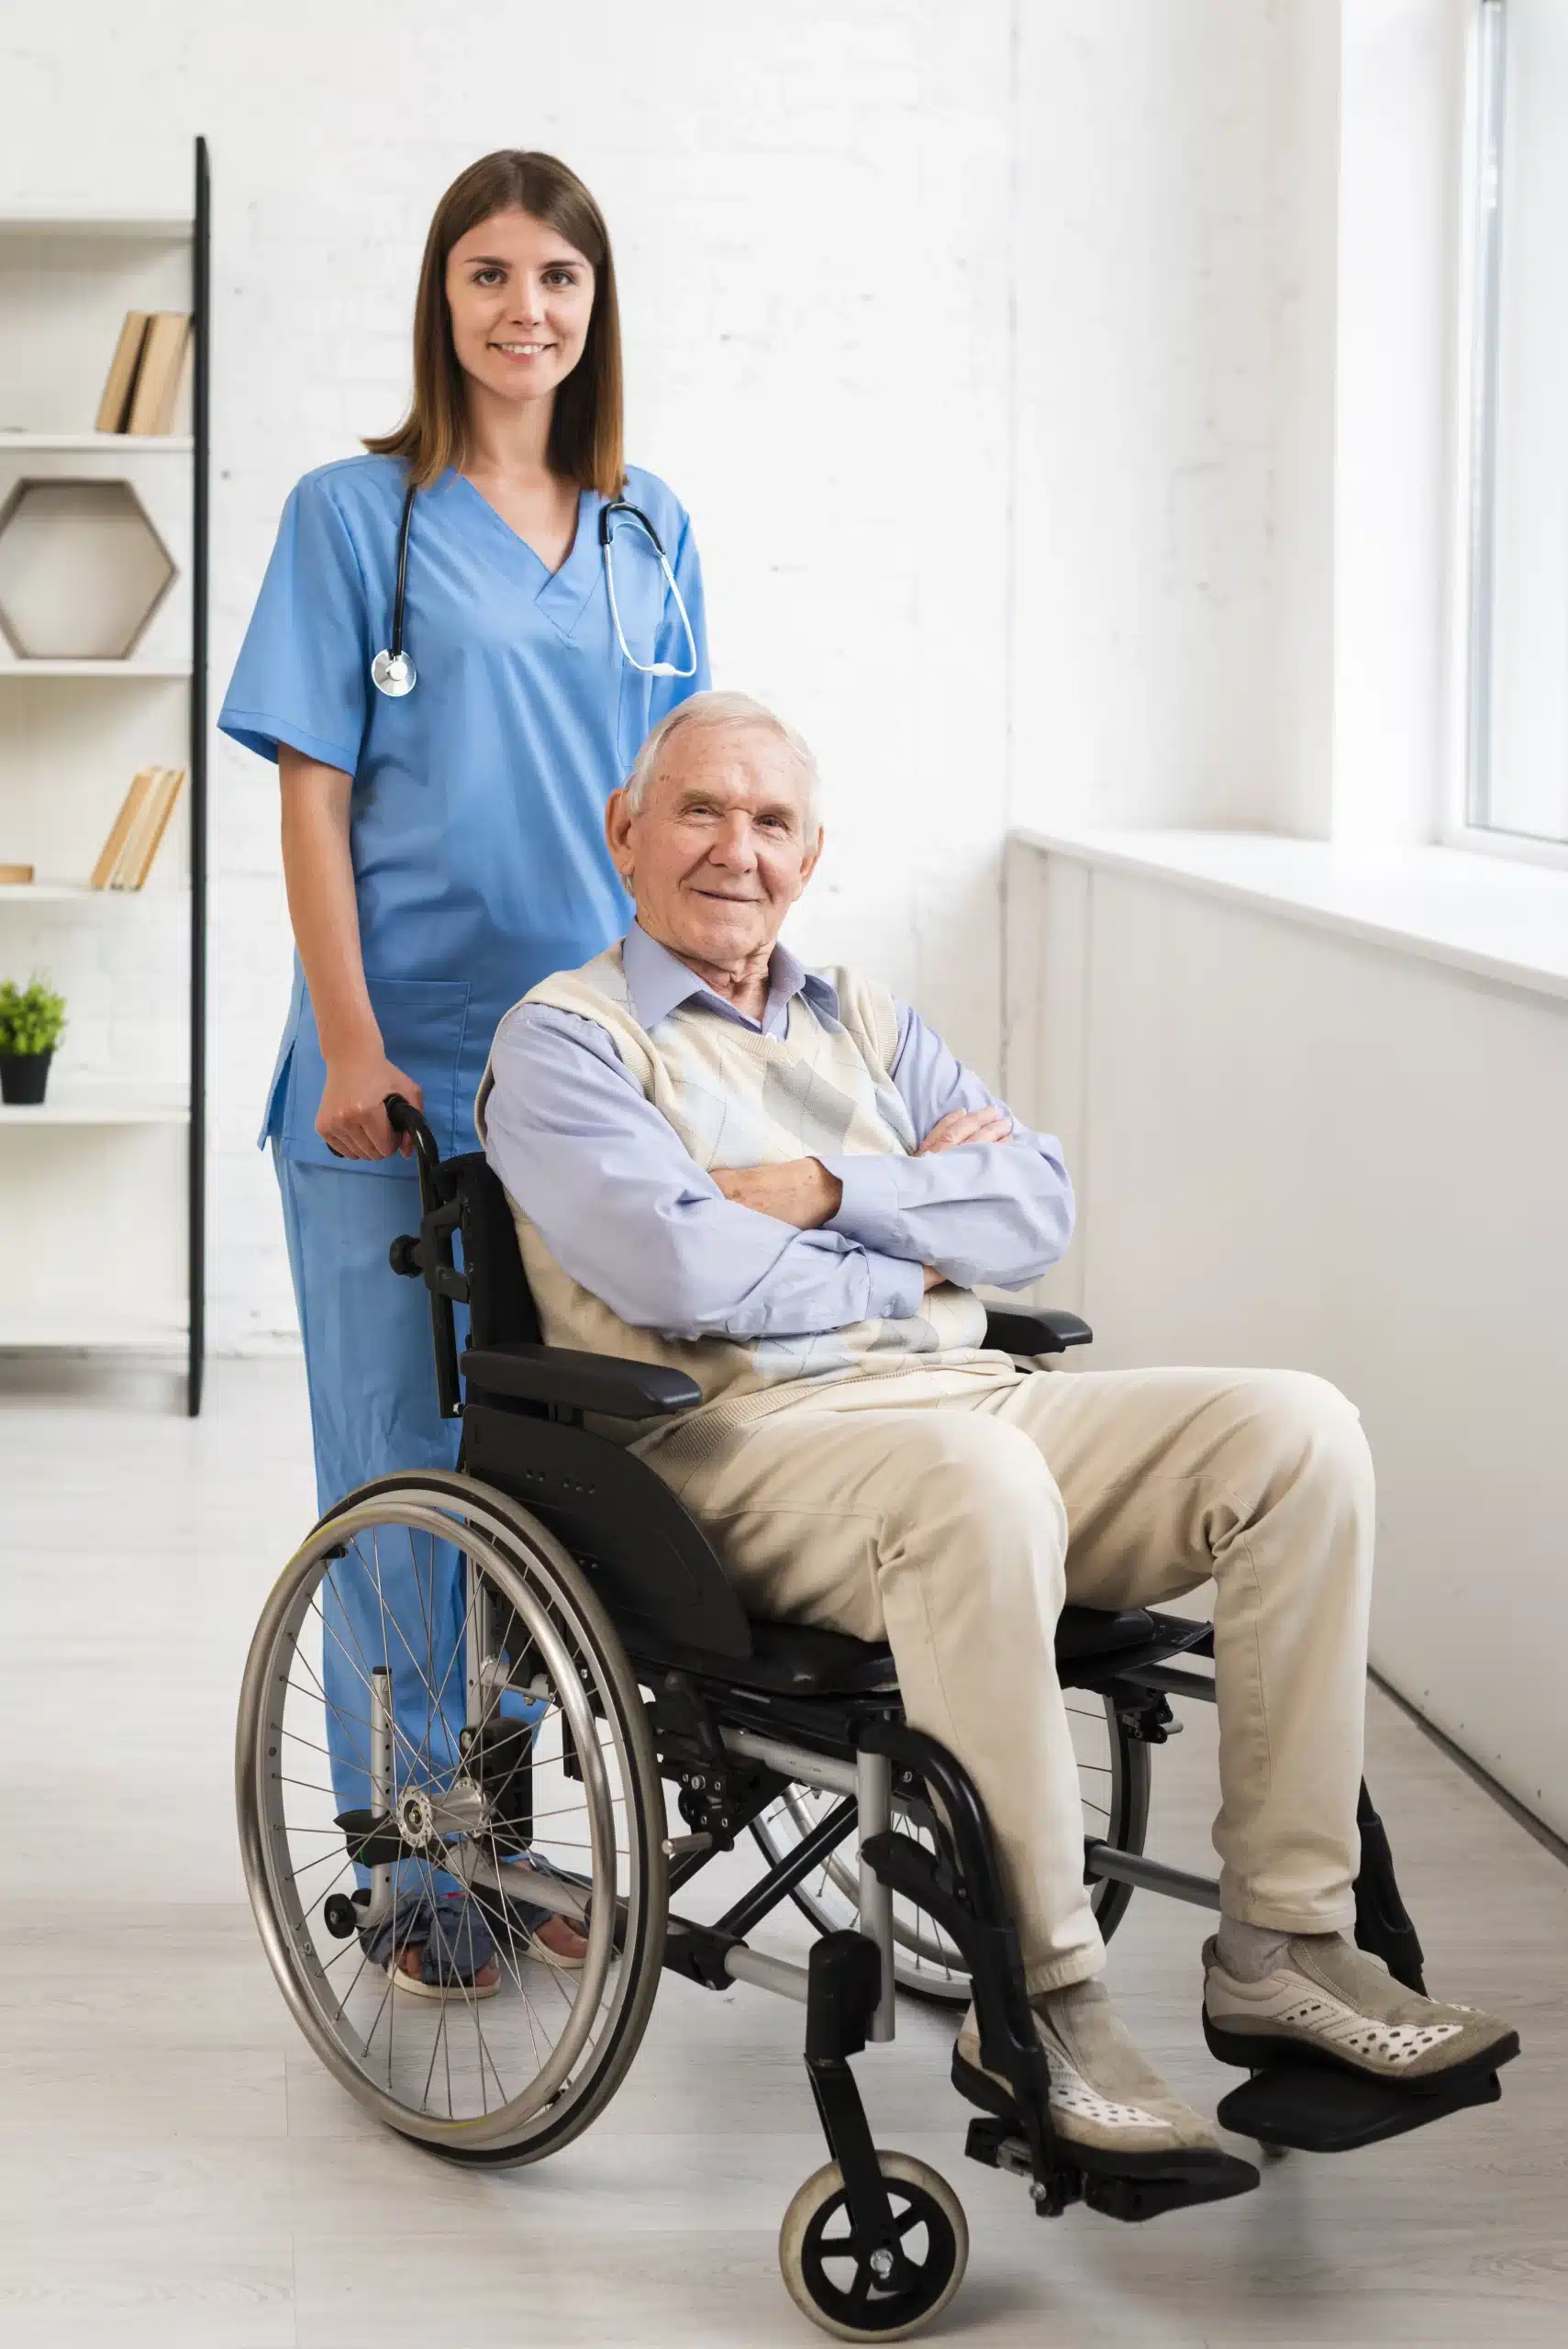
x=577, y=1650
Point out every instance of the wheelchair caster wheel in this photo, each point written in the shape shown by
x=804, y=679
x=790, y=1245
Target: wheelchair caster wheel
x=841, y=2289
x=340, y=1916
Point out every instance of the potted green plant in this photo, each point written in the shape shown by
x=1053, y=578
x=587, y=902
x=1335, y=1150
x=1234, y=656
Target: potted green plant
x=32, y=1021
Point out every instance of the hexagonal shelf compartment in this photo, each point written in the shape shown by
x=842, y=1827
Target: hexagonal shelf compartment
x=82, y=570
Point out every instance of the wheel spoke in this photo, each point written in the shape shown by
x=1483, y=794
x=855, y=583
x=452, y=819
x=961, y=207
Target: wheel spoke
x=539, y=2057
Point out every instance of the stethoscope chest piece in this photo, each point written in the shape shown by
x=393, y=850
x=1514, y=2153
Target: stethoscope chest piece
x=392, y=674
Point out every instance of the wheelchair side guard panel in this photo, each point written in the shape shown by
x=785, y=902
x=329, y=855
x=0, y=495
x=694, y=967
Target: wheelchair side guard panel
x=647, y=1560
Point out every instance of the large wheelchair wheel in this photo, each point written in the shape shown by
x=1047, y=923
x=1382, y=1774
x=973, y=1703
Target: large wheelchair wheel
x=1113, y=1778
x=437, y=1710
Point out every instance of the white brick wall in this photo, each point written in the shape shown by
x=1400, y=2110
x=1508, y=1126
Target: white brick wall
x=831, y=222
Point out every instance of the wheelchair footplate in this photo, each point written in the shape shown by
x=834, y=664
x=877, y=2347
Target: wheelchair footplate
x=1130, y=2187
x=1314, y=2108
x=1113, y=2194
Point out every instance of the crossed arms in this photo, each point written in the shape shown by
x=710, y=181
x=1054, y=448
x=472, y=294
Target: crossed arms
x=778, y=1251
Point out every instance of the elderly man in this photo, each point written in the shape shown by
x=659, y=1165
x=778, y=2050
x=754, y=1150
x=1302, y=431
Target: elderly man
x=784, y=1182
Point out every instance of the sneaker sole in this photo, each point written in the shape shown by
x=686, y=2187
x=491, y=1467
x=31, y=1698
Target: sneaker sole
x=1254, y=2051
x=1180, y=2164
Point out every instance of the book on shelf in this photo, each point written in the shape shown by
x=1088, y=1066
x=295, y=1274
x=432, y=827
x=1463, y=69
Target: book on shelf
x=147, y=837
x=137, y=832
x=119, y=831
x=115, y=406
x=159, y=376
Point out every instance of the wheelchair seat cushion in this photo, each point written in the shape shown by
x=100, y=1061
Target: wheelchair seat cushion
x=800, y=1660
x=1085, y=1632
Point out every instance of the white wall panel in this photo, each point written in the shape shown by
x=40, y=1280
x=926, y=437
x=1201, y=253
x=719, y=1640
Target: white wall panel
x=1170, y=181
x=1299, y=1149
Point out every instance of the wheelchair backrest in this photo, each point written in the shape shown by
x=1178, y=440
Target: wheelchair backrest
x=500, y=1302
x=651, y=1563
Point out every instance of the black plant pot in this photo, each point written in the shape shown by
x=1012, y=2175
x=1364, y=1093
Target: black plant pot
x=24, y=1078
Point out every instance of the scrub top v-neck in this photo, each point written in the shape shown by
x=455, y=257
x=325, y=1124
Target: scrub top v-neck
x=476, y=818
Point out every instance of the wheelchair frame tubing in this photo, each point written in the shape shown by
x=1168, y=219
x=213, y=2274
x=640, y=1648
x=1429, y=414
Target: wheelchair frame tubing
x=963, y=1892
x=842, y=2003
x=782, y=1879
x=1383, y=1926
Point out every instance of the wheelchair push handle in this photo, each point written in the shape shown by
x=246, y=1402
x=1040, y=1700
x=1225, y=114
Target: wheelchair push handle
x=404, y=1118
x=429, y=1254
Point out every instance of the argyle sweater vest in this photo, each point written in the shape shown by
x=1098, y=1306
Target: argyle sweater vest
x=736, y=1099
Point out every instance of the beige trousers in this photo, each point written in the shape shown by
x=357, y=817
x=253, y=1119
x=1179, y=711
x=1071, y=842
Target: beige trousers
x=956, y=1527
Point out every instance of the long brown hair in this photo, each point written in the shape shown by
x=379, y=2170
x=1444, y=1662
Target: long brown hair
x=585, y=426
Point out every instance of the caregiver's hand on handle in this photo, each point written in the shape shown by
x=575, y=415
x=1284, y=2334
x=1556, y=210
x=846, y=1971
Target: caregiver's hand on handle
x=352, y=1119
x=319, y=872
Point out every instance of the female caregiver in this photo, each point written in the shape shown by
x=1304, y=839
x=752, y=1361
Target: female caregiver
x=443, y=843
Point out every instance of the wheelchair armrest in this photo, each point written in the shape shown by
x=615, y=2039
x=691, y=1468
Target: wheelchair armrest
x=1035, y=1330
x=580, y=1382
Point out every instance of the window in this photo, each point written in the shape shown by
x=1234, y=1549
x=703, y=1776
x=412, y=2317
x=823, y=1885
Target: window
x=1518, y=731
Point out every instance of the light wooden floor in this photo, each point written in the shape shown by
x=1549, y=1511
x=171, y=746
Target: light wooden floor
x=174, y=2168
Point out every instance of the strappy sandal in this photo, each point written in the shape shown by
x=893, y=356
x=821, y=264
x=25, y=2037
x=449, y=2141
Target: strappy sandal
x=454, y=1944
x=515, y=1917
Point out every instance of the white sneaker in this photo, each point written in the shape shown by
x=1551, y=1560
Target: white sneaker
x=1329, y=2000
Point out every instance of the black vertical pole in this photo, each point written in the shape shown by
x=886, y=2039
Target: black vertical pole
x=201, y=315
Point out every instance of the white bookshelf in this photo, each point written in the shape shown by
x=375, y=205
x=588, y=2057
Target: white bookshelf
x=119, y=445
x=101, y=1185
x=101, y=1105
x=96, y=228
x=86, y=1332
x=119, y=671
x=80, y=892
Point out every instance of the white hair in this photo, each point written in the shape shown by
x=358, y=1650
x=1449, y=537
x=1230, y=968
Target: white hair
x=713, y=710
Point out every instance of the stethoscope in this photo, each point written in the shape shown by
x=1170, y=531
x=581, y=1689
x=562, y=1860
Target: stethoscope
x=393, y=673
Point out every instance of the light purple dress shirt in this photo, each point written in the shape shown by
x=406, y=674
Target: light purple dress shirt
x=627, y=1212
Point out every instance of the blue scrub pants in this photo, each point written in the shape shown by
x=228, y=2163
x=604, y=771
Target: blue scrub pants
x=374, y=1413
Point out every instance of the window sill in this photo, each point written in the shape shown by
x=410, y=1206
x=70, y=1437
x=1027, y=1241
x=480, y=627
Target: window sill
x=1501, y=921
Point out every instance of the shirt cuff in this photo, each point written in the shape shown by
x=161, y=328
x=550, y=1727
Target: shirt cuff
x=870, y=1213
x=896, y=1289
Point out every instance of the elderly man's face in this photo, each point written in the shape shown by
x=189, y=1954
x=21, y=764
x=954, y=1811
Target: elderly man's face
x=720, y=848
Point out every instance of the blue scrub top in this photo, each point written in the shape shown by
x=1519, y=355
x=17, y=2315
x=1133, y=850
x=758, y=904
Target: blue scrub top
x=476, y=820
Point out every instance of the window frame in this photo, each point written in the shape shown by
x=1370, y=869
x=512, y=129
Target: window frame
x=1475, y=520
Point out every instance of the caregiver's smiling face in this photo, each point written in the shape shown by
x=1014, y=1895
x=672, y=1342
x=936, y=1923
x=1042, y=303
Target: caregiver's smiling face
x=521, y=298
